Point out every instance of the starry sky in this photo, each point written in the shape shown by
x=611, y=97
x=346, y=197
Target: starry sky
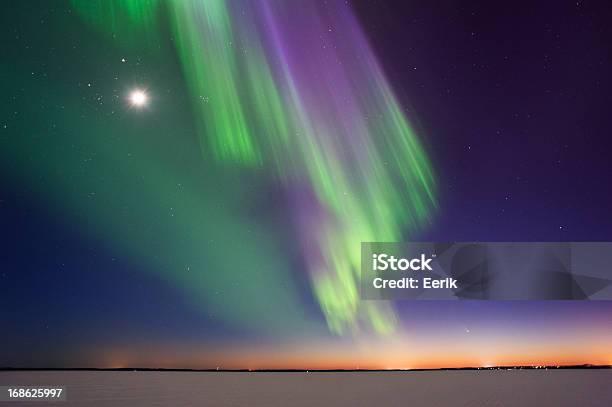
x=186, y=184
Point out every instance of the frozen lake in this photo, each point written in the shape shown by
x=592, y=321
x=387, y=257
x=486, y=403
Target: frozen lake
x=426, y=388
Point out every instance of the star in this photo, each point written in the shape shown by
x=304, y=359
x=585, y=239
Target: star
x=138, y=98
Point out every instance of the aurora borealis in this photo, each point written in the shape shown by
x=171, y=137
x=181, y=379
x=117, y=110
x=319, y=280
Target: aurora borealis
x=188, y=182
x=299, y=91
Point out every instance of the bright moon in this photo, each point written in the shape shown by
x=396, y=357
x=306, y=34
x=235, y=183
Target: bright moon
x=138, y=98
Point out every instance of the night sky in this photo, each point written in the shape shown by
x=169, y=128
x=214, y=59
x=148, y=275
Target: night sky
x=182, y=227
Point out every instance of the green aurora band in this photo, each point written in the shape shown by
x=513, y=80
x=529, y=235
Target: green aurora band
x=292, y=92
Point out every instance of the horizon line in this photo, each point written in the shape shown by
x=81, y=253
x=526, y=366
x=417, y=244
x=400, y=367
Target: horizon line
x=289, y=370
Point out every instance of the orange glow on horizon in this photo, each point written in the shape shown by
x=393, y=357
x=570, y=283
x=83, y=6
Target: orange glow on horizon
x=325, y=356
